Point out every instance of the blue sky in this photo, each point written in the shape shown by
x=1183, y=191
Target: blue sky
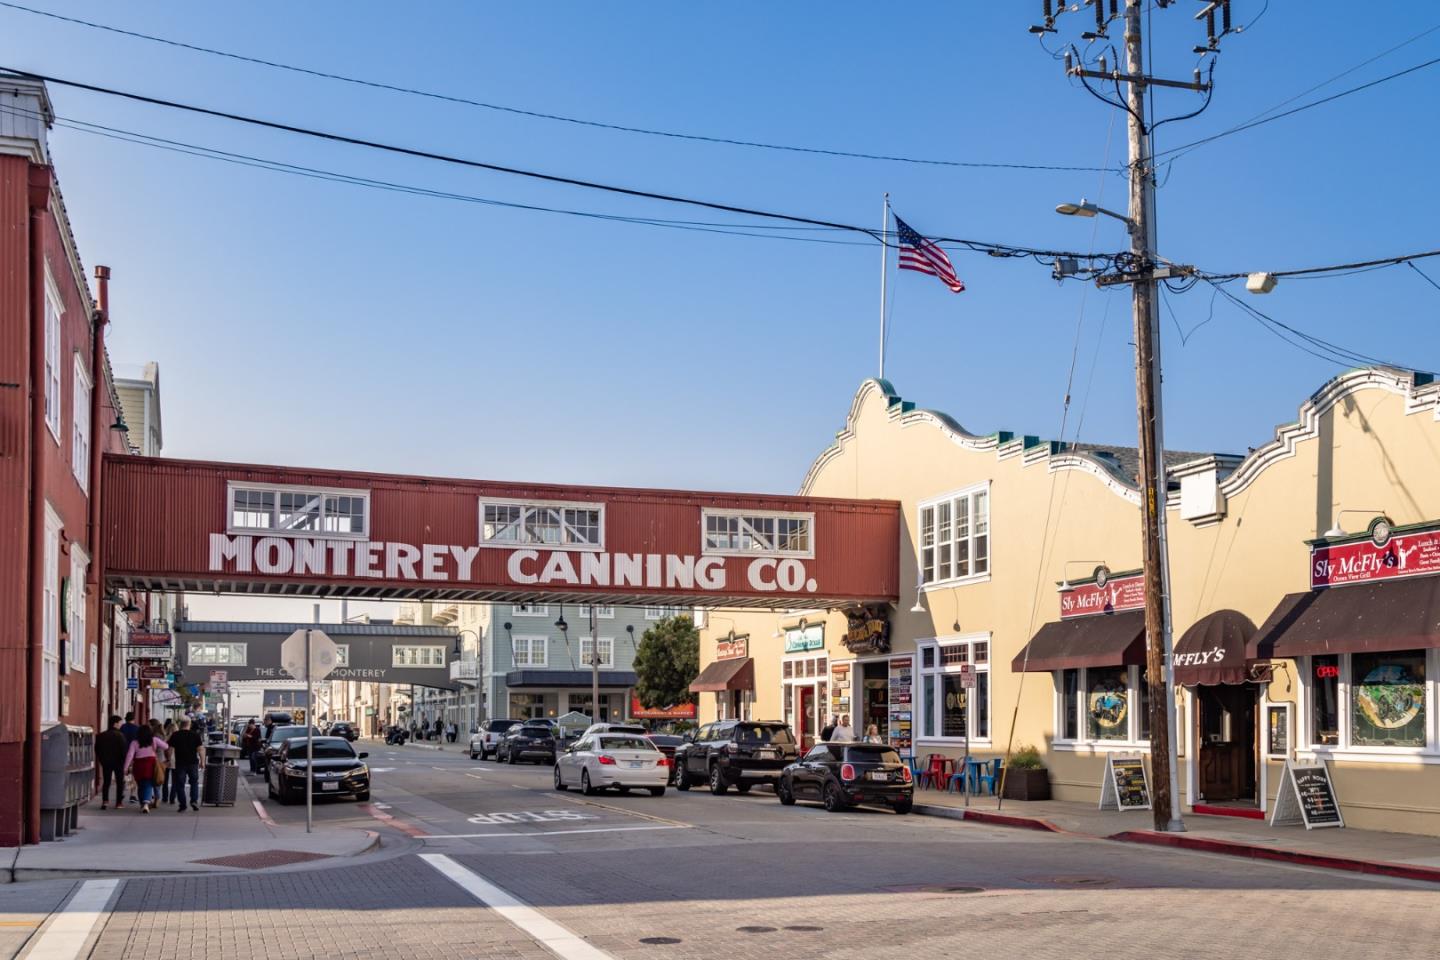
x=306, y=322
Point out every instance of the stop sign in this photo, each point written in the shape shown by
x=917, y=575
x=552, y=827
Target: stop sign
x=324, y=655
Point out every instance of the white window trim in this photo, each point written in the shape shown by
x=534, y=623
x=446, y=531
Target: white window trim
x=278, y=488
x=50, y=625
x=970, y=491
x=1131, y=744
x=80, y=425
x=709, y=551
x=192, y=661
x=1307, y=749
x=395, y=656
x=342, y=654
x=75, y=656
x=536, y=610
x=920, y=675
x=531, y=642
x=606, y=664
x=54, y=335
x=532, y=545
x=605, y=611
x=660, y=612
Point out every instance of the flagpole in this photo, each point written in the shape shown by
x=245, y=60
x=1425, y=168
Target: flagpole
x=884, y=272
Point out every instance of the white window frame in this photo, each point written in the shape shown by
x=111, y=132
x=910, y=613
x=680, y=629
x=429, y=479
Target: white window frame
x=342, y=654
x=1307, y=748
x=928, y=675
x=50, y=621
x=277, y=531
x=1135, y=676
x=742, y=515
x=54, y=315
x=79, y=567
x=527, y=505
x=603, y=611
x=530, y=610
x=533, y=643
x=80, y=451
x=400, y=655
x=195, y=655
x=607, y=652
x=934, y=503
x=660, y=613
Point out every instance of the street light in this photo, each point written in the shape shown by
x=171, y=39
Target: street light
x=1380, y=519
x=1087, y=209
x=1101, y=574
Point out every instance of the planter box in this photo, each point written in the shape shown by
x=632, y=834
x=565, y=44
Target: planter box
x=1027, y=784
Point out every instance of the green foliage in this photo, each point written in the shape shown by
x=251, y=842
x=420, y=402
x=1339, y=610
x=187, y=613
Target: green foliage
x=666, y=662
x=1026, y=757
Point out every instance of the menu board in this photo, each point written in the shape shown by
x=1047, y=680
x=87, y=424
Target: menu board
x=1307, y=796
x=1124, y=786
x=900, y=716
x=1277, y=731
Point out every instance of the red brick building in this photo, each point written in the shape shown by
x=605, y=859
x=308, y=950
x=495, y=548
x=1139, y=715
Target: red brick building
x=57, y=416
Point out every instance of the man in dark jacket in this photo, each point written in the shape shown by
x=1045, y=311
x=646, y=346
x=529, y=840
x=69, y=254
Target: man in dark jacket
x=110, y=747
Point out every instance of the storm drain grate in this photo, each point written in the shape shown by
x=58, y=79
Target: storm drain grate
x=755, y=929
x=666, y=941
x=263, y=858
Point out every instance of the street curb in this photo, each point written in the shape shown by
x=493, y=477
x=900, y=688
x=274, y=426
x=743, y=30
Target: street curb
x=1381, y=868
x=421, y=746
x=995, y=819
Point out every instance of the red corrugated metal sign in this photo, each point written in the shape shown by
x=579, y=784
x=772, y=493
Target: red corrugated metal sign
x=176, y=524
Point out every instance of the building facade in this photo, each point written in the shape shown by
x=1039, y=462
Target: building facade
x=1304, y=592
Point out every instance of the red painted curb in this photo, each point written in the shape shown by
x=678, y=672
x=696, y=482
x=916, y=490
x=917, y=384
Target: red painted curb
x=1404, y=871
x=1005, y=820
x=1244, y=813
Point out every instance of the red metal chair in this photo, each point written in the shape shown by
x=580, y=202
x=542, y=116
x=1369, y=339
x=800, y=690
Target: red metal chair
x=934, y=772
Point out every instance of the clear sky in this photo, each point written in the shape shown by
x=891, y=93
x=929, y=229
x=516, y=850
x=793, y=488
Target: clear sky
x=309, y=322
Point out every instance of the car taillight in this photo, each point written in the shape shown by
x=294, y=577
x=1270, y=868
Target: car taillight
x=606, y=759
x=847, y=771
x=663, y=762
x=905, y=774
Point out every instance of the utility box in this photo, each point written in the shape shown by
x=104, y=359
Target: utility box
x=67, y=772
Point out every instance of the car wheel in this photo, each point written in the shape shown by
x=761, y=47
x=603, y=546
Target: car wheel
x=786, y=793
x=682, y=779
x=282, y=793
x=743, y=788
x=270, y=788
x=559, y=783
x=834, y=800
x=585, y=786
x=717, y=780
x=472, y=754
x=657, y=791
x=903, y=806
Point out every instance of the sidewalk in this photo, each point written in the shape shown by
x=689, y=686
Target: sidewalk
x=1402, y=855
x=117, y=843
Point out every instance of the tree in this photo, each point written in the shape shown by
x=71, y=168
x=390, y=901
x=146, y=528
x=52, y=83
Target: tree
x=666, y=662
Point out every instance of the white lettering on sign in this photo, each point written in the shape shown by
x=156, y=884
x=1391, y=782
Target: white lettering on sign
x=530, y=816
x=447, y=562
x=1200, y=657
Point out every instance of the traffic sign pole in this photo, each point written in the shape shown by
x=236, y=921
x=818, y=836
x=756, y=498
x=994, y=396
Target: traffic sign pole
x=309, y=740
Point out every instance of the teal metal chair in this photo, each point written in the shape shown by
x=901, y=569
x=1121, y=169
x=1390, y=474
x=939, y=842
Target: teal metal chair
x=988, y=776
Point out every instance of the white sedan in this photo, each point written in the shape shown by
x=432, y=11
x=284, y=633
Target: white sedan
x=602, y=760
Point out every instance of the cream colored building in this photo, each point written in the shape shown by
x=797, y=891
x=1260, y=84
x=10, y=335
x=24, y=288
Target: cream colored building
x=995, y=525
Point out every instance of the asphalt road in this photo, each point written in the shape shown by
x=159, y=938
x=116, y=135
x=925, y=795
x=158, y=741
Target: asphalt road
x=487, y=860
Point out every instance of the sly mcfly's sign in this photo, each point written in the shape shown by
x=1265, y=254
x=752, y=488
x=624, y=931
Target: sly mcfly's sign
x=1118, y=593
x=1381, y=557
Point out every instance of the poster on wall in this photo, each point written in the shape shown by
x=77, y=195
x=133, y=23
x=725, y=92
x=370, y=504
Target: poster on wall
x=900, y=686
x=1388, y=706
x=1277, y=731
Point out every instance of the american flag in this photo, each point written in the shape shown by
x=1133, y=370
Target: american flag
x=917, y=253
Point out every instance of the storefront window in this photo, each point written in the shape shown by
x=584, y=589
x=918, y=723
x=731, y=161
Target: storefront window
x=1387, y=699
x=953, y=707
x=1070, y=704
x=982, y=705
x=1107, y=703
x=947, y=710
x=927, y=708
x=1325, y=700
x=1144, y=707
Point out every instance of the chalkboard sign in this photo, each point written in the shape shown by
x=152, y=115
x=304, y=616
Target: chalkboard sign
x=1307, y=796
x=1124, y=786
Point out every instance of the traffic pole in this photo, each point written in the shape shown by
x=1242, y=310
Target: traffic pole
x=309, y=740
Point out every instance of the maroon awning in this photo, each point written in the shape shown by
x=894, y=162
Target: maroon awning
x=1103, y=640
x=722, y=675
x=1400, y=614
x=1213, y=650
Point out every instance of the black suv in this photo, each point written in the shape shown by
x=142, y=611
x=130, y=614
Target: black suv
x=842, y=775
x=527, y=741
x=341, y=728
x=735, y=753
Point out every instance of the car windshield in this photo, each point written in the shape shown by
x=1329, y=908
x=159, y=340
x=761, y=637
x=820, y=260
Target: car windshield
x=757, y=733
x=498, y=726
x=324, y=750
x=872, y=753
x=285, y=733
x=535, y=730
x=625, y=743
x=666, y=739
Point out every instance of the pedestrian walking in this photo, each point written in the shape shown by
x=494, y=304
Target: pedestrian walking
x=843, y=732
x=453, y=732
x=187, y=751
x=110, y=748
x=827, y=732
x=168, y=786
x=439, y=728
x=142, y=760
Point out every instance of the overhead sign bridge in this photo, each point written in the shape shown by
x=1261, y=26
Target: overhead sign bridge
x=250, y=529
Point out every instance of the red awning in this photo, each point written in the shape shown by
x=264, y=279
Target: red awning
x=1213, y=650
x=1103, y=640
x=1400, y=614
x=722, y=675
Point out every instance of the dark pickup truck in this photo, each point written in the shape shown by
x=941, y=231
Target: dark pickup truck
x=735, y=753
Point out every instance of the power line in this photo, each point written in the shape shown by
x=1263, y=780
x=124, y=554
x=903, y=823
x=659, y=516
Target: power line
x=537, y=114
x=1334, y=268
x=1428, y=278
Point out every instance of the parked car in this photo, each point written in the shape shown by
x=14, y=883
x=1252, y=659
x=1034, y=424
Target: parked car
x=278, y=735
x=277, y=717
x=668, y=743
x=527, y=741
x=624, y=760
x=843, y=775
x=339, y=770
x=735, y=753
x=342, y=728
x=614, y=728
x=485, y=741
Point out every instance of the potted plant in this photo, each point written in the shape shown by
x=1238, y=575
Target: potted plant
x=1025, y=775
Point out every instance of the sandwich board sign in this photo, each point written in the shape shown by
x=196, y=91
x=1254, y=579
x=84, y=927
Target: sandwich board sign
x=1124, y=786
x=1307, y=796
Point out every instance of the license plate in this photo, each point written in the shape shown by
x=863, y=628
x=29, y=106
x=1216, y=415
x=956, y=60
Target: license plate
x=329, y=786
x=878, y=775
x=765, y=754
x=636, y=764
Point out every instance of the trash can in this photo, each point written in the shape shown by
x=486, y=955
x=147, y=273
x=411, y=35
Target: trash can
x=222, y=776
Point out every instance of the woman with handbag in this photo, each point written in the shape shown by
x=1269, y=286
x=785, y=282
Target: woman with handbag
x=142, y=761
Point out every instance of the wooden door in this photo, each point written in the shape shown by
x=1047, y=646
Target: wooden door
x=1225, y=723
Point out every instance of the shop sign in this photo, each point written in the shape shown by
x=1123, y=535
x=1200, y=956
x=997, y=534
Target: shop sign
x=152, y=673
x=148, y=638
x=867, y=630
x=1124, y=786
x=683, y=711
x=805, y=637
x=1307, y=796
x=1110, y=596
x=732, y=646
x=1383, y=556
